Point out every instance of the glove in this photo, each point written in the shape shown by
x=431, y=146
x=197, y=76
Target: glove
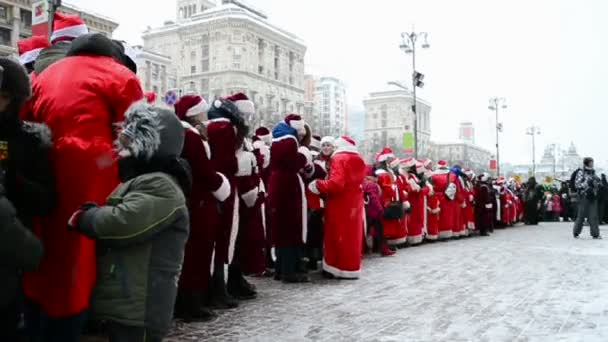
x=74, y=220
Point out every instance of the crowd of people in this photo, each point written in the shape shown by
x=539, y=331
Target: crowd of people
x=116, y=211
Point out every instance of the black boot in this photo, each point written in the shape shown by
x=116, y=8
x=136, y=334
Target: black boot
x=219, y=297
x=189, y=307
x=237, y=286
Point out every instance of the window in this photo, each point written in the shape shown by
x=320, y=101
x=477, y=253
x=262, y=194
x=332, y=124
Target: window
x=3, y=12
x=193, y=55
x=155, y=71
x=205, y=65
x=260, y=69
x=26, y=18
x=193, y=69
x=205, y=51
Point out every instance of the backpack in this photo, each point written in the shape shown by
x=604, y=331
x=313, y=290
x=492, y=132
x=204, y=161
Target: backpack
x=572, y=182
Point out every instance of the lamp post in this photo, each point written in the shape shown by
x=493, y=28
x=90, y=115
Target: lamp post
x=533, y=131
x=495, y=104
x=408, y=45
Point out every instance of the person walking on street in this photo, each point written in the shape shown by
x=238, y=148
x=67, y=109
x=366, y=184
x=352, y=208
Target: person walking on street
x=587, y=185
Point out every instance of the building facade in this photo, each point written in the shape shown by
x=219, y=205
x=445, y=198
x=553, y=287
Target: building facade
x=389, y=116
x=464, y=154
x=310, y=112
x=16, y=22
x=156, y=73
x=331, y=106
x=231, y=48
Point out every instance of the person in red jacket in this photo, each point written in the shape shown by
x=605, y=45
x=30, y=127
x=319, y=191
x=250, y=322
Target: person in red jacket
x=393, y=220
x=83, y=112
x=209, y=189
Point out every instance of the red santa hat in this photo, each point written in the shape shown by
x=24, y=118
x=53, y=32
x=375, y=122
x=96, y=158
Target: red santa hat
x=242, y=102
x=500, y=180
x=150, y=97
x=295, y=121
x=190, y=105
x=345, y=144
x=315, y=142
x=407, y=163
x=442, y=164
x=385, y=155
x=420, y=167
x=469, y=173
x=67, y=27
x=263, y=134
x=29, y=48
x=428, y=163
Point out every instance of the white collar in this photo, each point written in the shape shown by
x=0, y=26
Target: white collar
x=348, y=149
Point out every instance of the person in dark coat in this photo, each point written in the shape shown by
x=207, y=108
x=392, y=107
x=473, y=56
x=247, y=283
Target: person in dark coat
x=26, y=190
x=484, y=204
x=564, y=193
x=532, y=198
x=602, y=200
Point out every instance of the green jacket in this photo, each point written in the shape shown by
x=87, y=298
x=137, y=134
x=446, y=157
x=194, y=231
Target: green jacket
x=141, y=234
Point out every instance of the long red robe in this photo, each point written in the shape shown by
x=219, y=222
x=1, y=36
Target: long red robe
x=209, y=189
x=433, y=211
x=82, y=110
x=416, y=194
x=460, y=211
x=395, y=230
x=344, y=214
x=441, y=179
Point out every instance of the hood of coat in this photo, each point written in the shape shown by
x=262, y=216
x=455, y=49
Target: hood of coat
x=97, y=44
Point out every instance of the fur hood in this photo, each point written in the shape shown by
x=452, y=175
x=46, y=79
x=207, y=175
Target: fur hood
x=99, y=45
x=40, y=133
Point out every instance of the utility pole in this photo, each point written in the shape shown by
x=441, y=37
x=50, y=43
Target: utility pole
x=495, y=104
x=533, y=131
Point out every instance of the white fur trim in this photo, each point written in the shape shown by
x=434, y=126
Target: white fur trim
x=446, y=234
x=285, y=137
x=341, y=273
x=234, y=231
x=431, y=237
x=426, y=215
x=267, y=138
x=306, y=152
x=250, y=197
x=384, y=157
x=219, y=120
x=29, y=56
x=223, y=191
x=327, y=140
x=347, y=149
x=415, y=240
x=471, y=225
x=489, y=206
x=207, y=149
x=298, y=125
x=304, y=210
x=245, y=106
x=441, y=172
x=380, y=171
x=397, y=241
x=414, y=185
x=406, y=205
x=200, y=108
x=246, y=162
x=71, y=31
x=258, y=144
x=187, y=125
x=313, y=187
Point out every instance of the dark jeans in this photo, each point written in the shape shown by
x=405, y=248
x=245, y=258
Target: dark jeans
x=42, y=328
x=587, y=208
x=123, y=333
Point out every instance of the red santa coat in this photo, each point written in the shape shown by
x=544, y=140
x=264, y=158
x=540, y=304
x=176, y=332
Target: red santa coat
x=286, y=193
x=395, y=230
x=344, y=213
x=443, y=180
x=433, y=211
x=505, y=202
x=82, y=111
x=222, y=141
x=416, y=195
x=209, y=188
x=403, y=196
x=461, y=206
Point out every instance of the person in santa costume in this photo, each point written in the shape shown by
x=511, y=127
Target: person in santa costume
x=226, y=131
x=83, y=111
x=433, y=210
x=444, y=184
x=502, y=215
x=459, y=229
x=344, y=214
x=290, y=164
x=484, y=203
x=262, y=138
x=394, y=199
x=408, y=183
x=327, y=150
x=66, y=28
x=209, y=189
x=316, y=205
x=469, y=211
x=29, y=50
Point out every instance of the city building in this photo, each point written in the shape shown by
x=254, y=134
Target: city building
x=466, y=132
x=310, y=112
x=223, y=49
x=331, y=106
x=156, y=72
x=16, y=22
x=389, y=116
x=465, y=154
x=555, y=162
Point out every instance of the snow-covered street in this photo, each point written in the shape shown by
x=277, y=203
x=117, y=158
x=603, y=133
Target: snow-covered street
x=521, y=284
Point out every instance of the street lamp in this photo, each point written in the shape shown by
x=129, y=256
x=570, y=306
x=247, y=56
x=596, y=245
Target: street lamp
x=495, y=104
x=408, y=45
x=533, y=131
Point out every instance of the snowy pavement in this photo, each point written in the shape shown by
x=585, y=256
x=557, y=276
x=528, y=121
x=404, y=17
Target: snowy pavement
x=521, y=284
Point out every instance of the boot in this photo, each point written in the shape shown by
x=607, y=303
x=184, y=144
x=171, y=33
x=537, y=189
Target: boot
x=237, y=286
x=189, y=307
x=386, y=251
x=219, y=297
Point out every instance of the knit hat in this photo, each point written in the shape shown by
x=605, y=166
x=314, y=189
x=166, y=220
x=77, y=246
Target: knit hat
x=242, y=102
x=29, y=48
x=385, y=155
x=327, y=140
x=315, y=142
x=407, y=163
x=190, y=105
x=295, y=121
x=67, y=27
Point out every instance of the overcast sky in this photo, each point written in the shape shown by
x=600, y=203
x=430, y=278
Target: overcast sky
x=549, y=58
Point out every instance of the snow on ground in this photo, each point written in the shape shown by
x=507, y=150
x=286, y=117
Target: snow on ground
x=521, y=284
